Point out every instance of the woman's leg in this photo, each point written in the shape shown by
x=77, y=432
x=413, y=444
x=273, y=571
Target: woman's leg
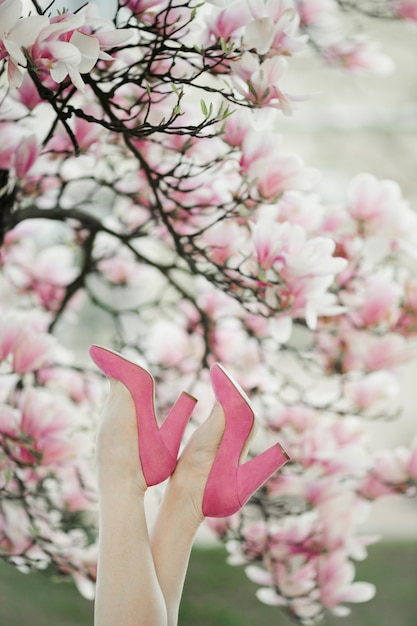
x=180, y=513
x=128, y=591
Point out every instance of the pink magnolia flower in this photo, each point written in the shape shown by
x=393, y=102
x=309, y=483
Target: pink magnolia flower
x=359, y=55
x=32, y=351
x=27, y=93
x=223, y=241
x=374, y=203
x=376, y=301
x=11, y=136
x=228, y=22
x=15, y=531
x=406, y=9
x=11, y=329
x=9, y=421
x=48, y=422
x=140, y=6
x=278, y=173
x=256, y=539
x=120, y=269
x=26, y=155
x=51, y=271
x=66, y=380
x=258, y=81
x=335, y=574
x=16, y=35
x=385, y=352
x=61, y=50
x=257, y=144
x=316, y=13
x=297, y=255
x=274, y=29
x=372, y=391
x=300, y=208
x=27, y=345
x=68, y=46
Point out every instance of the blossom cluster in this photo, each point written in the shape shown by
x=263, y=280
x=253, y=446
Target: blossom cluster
x=57, y=47
x=196, y=236
x=45, y=452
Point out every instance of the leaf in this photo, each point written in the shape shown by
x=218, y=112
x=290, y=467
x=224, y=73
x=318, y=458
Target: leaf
x=204, y=107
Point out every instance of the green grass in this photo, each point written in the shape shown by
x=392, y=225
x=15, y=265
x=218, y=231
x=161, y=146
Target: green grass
x=216, y=594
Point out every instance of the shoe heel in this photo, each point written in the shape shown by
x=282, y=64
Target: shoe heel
x=254, y=473
x=157, y=447
x=174, y=425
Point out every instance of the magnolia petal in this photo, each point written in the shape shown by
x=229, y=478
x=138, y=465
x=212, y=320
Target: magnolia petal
x=258, y=575
x=259, y=35
x=85, y=586
x=89, y=49
x=311, y=316
x=15, y=52
x=266, y=595
x=113, y=38
x=26, y=155
x=359, y=592
x=64, y=52
x=59, y=72
x=76, y=79
x=341, y=611
x=105, y=57
x=14, y=74
x=10, y=12
x=68, y=23
x=27, y=29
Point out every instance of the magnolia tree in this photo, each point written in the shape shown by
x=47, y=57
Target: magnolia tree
x=148, y=200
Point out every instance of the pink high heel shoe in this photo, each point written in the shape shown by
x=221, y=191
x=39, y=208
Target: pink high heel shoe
x=230, y=485
x=158, y=447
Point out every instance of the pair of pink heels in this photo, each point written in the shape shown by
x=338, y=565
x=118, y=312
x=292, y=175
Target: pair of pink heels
x=229, y=485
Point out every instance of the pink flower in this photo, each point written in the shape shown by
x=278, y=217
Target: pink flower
x=11, y=136
x=68, y=46
x=376, y=388
x=258, y=81
x=48, y=423
x=9, y=421
x=228, y=22
x=335, y=574
x=283, y=172
x=11, y=329
x=139, y=6
x=406, y=9
x=26, y=155
x=274, y=28
x=32, y=351
x=27, y=93
x=373, y=203
x=120, y=269
x=385, y=352
x=223, y=241
x=379, y=300
x=316, y=13
x=358, y=55
x=16, y=35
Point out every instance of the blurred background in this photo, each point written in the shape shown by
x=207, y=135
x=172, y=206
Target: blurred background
x=349, y=124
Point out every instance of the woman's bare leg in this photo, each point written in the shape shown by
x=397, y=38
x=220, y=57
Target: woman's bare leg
x=128, y=591
x=180, y=513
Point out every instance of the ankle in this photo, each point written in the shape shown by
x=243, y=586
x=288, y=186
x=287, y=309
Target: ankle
x=179, y=498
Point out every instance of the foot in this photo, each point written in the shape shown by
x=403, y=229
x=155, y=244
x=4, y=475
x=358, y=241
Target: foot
x=189, y=479
x=117, y=452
